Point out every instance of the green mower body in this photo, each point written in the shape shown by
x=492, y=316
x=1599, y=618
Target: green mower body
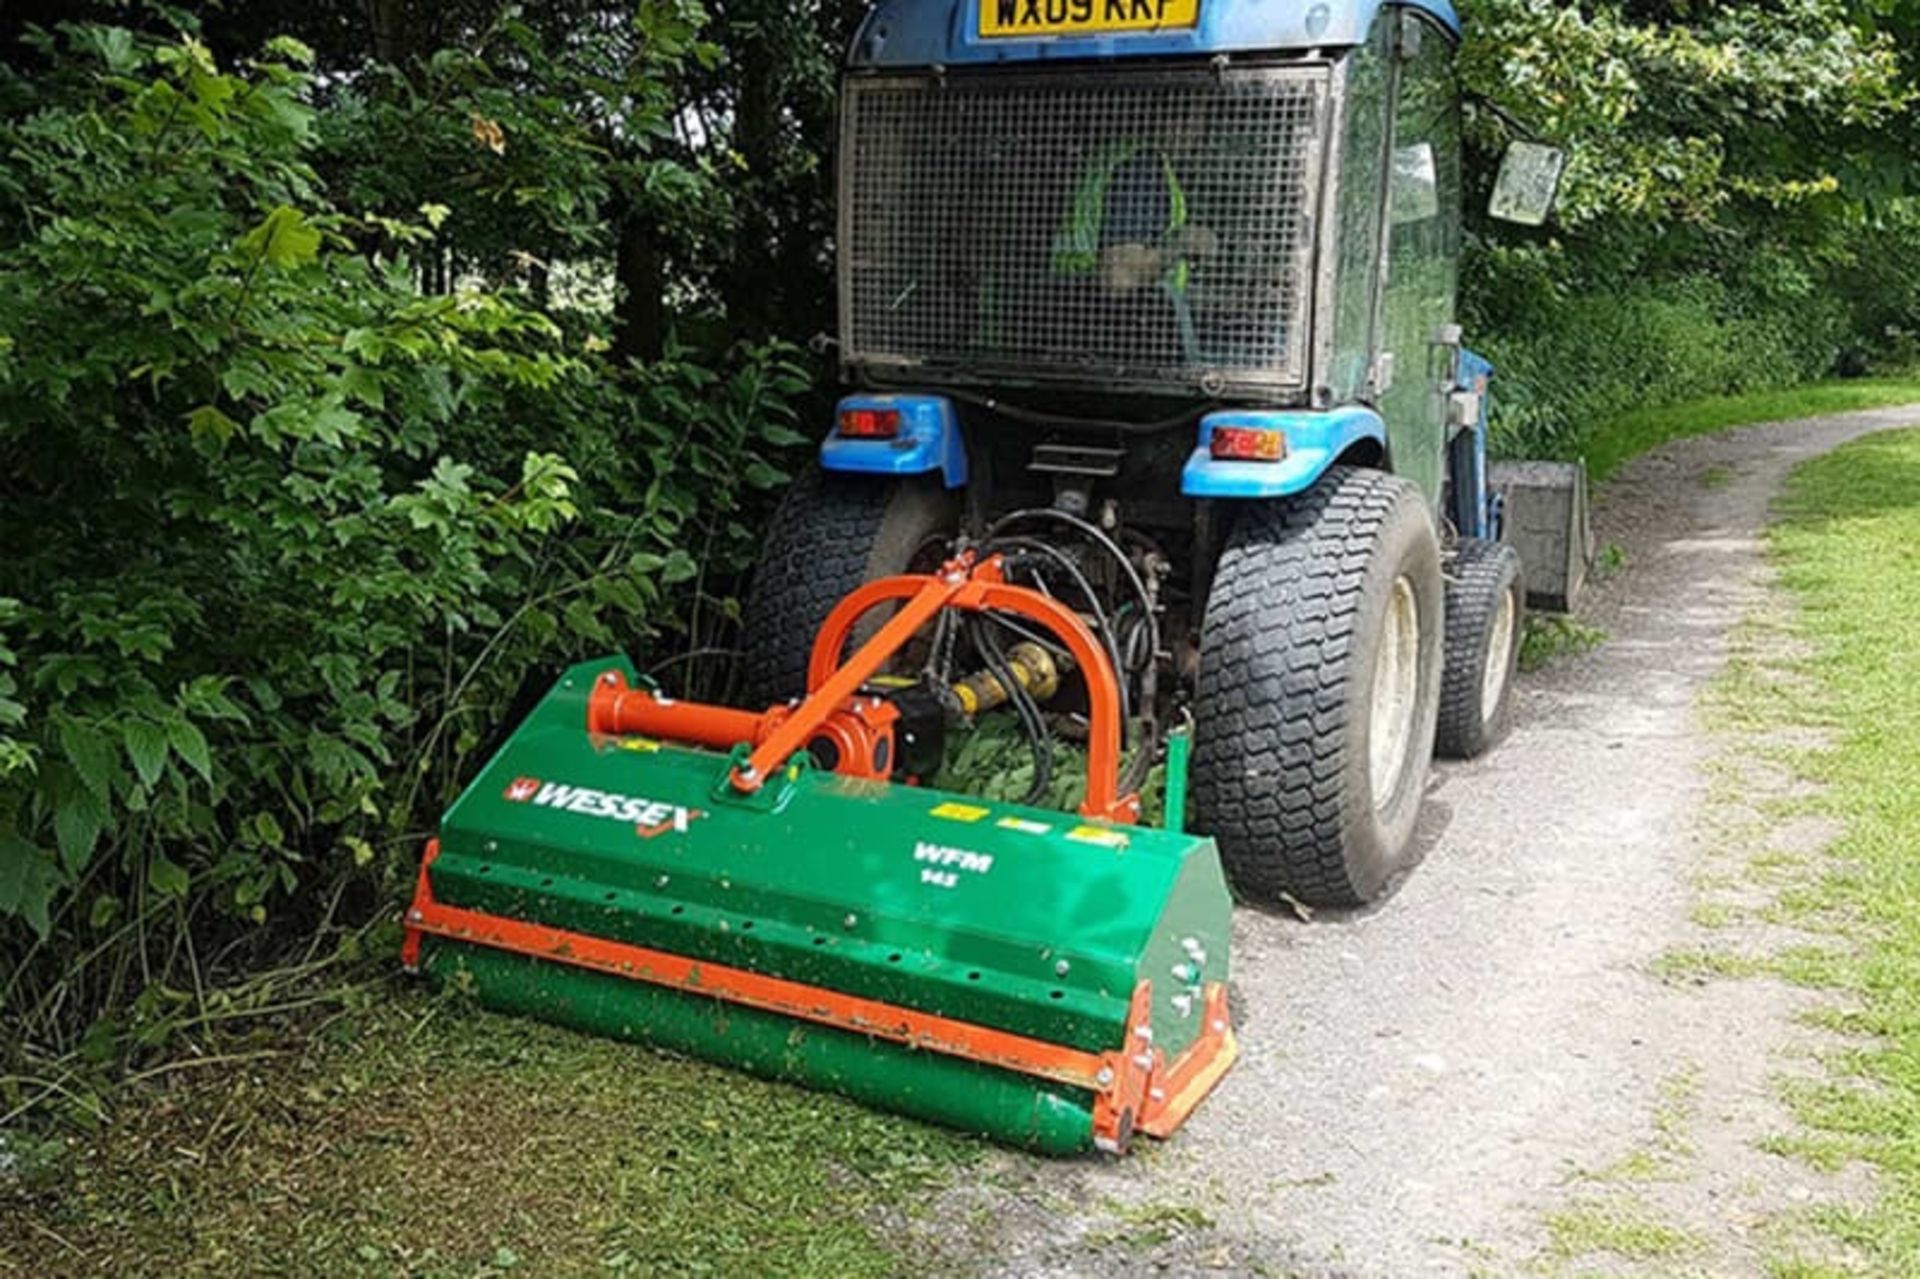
x=1025, y=921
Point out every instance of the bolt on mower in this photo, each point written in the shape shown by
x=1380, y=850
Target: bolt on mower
x=1162, y=450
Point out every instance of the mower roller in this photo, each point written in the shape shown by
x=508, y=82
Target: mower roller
x=691, y=876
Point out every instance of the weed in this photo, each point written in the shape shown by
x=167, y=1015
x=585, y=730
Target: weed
x=1635, y=1165
x=1709, y=914
x=1673, y=1116
x=1551, y=636
x=1672, y=1141
x=1697, y=967
x=1824, y=1153
x=1621, y=1225
x=1149, y=1225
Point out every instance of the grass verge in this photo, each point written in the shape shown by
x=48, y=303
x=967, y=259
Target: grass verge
x=1848, y=548
x=1619, y=441
x=427, y=1138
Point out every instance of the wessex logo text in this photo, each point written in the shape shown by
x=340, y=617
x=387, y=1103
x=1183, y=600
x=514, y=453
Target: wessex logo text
x=648, y=817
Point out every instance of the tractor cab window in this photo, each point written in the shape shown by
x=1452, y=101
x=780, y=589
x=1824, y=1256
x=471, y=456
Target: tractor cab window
x=1423, y=245
x=1366, y=92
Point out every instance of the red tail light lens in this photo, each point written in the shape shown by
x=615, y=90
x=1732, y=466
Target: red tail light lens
x=1248, y=444
x=869, y=424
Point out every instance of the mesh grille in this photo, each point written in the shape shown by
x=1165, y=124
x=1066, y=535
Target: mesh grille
x=1141, y=228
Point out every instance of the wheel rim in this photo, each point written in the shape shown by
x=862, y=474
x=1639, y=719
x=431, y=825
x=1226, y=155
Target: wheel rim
x=1396, y=689
x=1493, y=681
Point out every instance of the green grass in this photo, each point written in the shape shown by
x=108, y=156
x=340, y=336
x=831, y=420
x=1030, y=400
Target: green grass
x=1848, y=548
x=427, y=1138
x=1618, y=1224
x=1624, y=438
x=1697, y=967
x=1664, y=1156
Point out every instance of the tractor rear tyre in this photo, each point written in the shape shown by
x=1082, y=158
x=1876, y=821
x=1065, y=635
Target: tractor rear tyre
x=1319, y=689
x=832, y=533
x=1486, y=615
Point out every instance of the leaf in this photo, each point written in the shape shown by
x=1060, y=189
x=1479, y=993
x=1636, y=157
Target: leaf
x=28, y=881
x=266, y=830
x=284, y=239
x=763, y=476
x=191, y=745
x=361, y=383
x=147, y=747
x=166, y=877
x=291, y=50
x=782, y=437
x=77, y=824
x=115, y=47
x=680, y=567
x=208, y=424
x=91, y=753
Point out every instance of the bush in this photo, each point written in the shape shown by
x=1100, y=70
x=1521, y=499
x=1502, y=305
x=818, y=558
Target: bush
x=284, y=532
x=1568, y=363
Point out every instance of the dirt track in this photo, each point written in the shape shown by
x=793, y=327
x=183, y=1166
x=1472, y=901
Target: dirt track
x=1426, y=1085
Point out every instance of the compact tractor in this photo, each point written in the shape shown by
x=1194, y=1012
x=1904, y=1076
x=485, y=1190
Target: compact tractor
x=1162, y=445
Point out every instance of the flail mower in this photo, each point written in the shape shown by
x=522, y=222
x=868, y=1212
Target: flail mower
x=1163, y=449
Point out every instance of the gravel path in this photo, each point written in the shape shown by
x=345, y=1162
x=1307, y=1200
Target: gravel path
x=1426, y=1084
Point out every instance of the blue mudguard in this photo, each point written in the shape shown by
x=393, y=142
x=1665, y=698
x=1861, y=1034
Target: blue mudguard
x=1315, y=440
x=929, y=440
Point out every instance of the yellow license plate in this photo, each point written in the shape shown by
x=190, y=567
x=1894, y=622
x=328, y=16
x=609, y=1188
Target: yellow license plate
x=1003, y=18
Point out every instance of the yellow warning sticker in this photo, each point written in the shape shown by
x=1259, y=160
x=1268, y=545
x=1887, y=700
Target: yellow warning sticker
x=641, y=745
x=1022, y=825
x=1098, y=835
x=960, y=812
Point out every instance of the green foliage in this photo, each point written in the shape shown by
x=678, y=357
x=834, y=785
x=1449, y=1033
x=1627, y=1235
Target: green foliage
x=531, y=136
x=1738, y=180
x=289, y=530
x=1570, y=364
x=1665, y=106
x=992, y=759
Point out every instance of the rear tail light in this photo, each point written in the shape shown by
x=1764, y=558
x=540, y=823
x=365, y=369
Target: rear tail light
x=1248, y=444
x=869, y=424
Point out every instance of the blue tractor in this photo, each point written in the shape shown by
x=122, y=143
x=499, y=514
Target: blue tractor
x=1156, y=299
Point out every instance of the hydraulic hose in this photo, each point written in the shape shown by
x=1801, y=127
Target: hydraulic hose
x=1102, y=625
x=1031, y=720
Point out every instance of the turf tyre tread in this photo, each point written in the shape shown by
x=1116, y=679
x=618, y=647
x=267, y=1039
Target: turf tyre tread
x=1480, y=572
x=1271, y=775
x=831, y=533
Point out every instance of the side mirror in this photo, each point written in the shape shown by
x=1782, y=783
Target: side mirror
x=1528, y=183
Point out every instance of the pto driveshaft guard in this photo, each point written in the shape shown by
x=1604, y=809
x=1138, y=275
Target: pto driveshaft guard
x=1049, y=981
